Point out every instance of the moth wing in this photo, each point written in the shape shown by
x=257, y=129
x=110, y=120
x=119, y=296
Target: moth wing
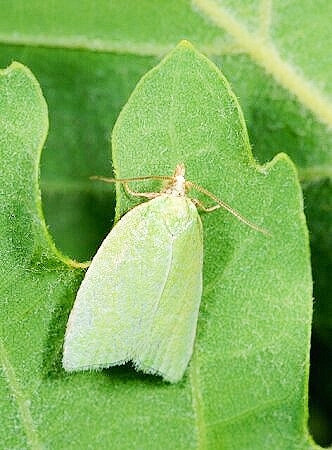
x=139, y=299
x=167, y=343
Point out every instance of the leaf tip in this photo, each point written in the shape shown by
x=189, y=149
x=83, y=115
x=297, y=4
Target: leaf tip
x=185, y=44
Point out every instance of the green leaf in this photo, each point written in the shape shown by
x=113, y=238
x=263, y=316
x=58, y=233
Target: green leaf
x=89, y=59
x=36, y=285
x=246, y=385
x=247, y=312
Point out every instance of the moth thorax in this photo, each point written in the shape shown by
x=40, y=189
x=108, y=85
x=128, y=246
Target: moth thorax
x=178, y=187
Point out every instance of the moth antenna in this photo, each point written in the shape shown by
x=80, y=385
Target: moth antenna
x=129, y=191
x=128, y=180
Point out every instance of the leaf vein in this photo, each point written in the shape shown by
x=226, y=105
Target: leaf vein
x=197, y=401
x=21, y=400
x=268, y=57
x=248, y=412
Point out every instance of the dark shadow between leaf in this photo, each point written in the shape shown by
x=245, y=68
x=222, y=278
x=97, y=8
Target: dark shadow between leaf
x=52, y=355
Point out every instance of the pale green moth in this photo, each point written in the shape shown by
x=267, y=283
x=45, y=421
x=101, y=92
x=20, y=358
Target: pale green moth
x=140, y=297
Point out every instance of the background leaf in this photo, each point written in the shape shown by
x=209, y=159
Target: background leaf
x=254, y=327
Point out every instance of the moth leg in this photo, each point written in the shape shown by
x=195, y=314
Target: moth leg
x=232, y=211
x=139, y=194
x=204, y=208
